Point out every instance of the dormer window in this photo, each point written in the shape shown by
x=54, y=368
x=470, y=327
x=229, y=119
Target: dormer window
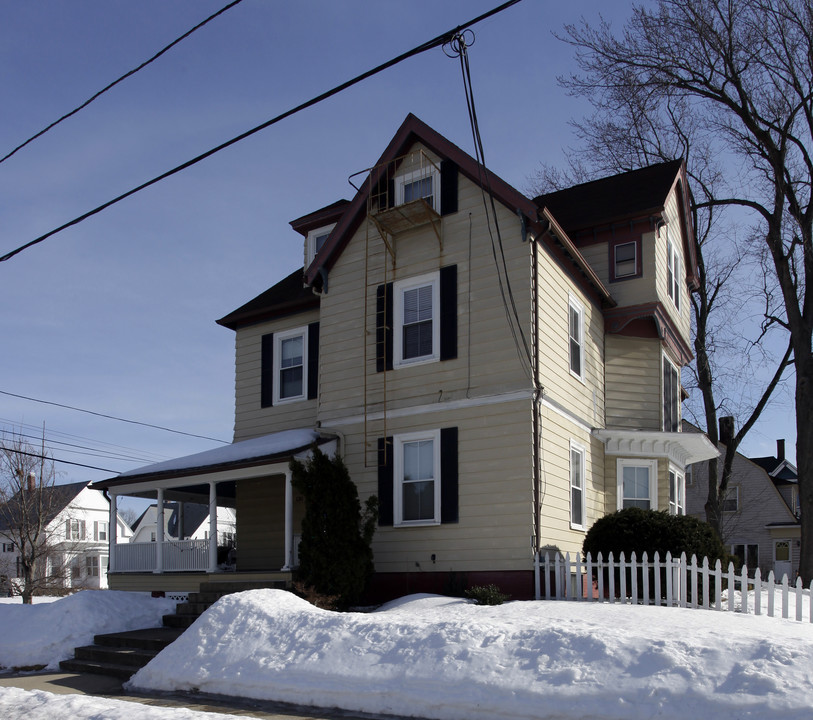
x=316, y=240
x=420, y=184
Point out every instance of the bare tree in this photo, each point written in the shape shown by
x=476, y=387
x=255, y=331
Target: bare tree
x=29, y=501
x=731, y=81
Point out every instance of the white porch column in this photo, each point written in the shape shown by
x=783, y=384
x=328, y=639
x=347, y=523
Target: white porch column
x=159, y=533
x=289, y=521
x=212, y=528
x=112, y=532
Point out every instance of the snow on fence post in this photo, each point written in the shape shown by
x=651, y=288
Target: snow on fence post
x=757, y=592
x=785, y=597
x=645, y=576
x=657, y=567
x=600, y=573
x=622, y=581
x=718, y=585
x=611, y=575
x=670, y=597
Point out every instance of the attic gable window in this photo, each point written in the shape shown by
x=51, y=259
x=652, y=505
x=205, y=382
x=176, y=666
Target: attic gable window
x=315, y=242
x=420, y=184
x=625, y=260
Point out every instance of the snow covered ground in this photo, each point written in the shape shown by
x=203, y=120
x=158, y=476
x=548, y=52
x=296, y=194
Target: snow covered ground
x=437, y=657
x=49, y=630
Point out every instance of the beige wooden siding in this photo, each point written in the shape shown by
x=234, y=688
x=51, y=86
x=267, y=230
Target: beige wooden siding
x=682, y=318
x=633, y=377
x=261, y=523
x=583, y=397
x=487, y=361
x=634, y=291
x=494, y=492
x=555, y=528
x=251, y=420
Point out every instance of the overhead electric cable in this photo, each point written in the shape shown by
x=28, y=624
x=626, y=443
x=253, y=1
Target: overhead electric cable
x=64, y=462
x=113, y=417
x=123, y=77
x=436, y=42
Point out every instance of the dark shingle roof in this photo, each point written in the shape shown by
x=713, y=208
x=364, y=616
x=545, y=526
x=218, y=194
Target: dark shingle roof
x=288, y=296
x=611, y=199
x=55, y=498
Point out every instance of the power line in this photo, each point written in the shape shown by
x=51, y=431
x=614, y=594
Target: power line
x=435, y=42
x=64, y=462
x=112, y=417
x=123, y=77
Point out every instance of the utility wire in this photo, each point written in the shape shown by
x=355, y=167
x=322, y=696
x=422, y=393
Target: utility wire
x=64, y=462
x=123, y=77
x=430, y=44
x=112, y=417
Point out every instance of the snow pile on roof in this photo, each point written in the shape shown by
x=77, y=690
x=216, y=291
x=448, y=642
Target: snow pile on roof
x=17, y=704
x=437, y=657
x=44, y=634
x=267, y=445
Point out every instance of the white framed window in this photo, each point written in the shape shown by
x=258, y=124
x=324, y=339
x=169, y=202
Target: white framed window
x=747, y=554
x=671, y=396
x=417, y=478
x=423, y=183
x=625, y=259
x=578, y=519
x=92, y=565
x=316, y=240
x=100, y=530
x=290, y=376
x=677, y=492
x=637, y=483
x=576, y=337
x=673, y=270
x=75, y=530
x=731, y=501
x=416, y=316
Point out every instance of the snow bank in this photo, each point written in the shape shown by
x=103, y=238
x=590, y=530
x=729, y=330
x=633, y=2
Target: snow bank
x=16, y=704
x=445, y=658
x=44, y=634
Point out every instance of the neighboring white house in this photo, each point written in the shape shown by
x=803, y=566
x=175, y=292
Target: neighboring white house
x=77, y=531
x=193, y=519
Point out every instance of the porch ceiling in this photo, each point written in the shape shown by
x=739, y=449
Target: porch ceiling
x=679, y=447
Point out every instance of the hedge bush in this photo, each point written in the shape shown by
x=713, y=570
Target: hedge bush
x=636, y=530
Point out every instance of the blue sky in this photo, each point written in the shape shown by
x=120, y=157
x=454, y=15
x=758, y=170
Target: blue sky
x=117, y=314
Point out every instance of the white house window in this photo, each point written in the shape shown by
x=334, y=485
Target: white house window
x=577, y=487
x=92, y=565
x=416, y=306
x=290, y=351
x=677, y=493
x=576, y=335
x=316, y=240
x=731, y=501
x=75, y=530
x=625, y=259
x=671, y=397
x=747, y=554
x=420, y=184
x=673, y=271
x=417, y=478
x=637, y=484
x=100, y=531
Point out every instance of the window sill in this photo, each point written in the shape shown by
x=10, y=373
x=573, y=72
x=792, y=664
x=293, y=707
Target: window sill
x=417, y=523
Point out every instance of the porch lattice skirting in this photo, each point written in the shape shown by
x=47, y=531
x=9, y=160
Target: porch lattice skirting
x=673, y=582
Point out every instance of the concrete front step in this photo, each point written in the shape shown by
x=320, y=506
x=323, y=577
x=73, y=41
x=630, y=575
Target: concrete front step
x=123, y=672
x=147, y=639
x=134, y=657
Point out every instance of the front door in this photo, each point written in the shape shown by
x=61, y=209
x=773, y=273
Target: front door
x=781, y=560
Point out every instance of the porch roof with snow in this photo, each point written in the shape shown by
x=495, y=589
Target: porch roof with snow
x=275, y=449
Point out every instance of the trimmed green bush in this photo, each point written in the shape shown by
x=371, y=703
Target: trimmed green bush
x=636, y=530
x=335, y=554
x=487, y=595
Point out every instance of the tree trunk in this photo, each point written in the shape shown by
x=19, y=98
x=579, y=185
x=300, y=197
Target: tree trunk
x=804, y=460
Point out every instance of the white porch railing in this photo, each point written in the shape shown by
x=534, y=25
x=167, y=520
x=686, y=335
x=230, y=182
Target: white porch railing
x=672, y=582
x=178, y=556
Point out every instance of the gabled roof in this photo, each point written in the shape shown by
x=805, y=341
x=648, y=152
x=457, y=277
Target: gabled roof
x=288, y=296
x=612, y=199
x=55, y=498
x=413, y=131
x=781, y=471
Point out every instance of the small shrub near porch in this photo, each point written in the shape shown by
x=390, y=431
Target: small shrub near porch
x=335, y=553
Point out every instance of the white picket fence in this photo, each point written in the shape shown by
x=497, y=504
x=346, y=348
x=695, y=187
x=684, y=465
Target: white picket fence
x=673, y=582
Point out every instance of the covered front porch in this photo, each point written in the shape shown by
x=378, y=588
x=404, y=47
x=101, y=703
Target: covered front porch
x=253, y=477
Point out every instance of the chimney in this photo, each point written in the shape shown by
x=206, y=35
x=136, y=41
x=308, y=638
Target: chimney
x=780, y=449
x=726, y=425
x=32, y=482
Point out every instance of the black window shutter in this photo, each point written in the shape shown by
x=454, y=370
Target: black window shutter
x=390, y=192
x=448, y=312
x=448, y=187
x=383, y=328
x=385, y=481
x=267, y=371
x=313, y=360
x=448, y=475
